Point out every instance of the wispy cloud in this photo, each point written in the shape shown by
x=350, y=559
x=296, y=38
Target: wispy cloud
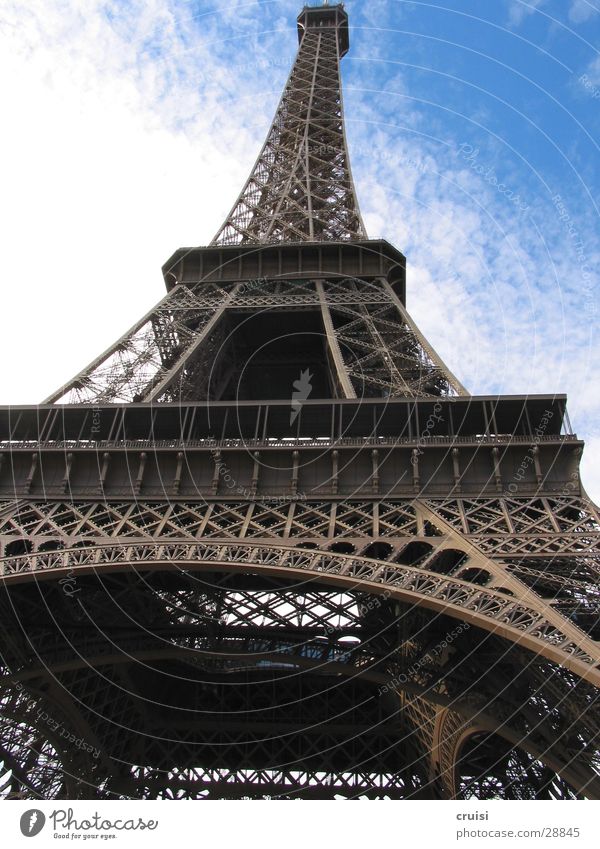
x=579, y=11
x=592, y=71
x=582, y=10
x=519, y=10
x=132, y=128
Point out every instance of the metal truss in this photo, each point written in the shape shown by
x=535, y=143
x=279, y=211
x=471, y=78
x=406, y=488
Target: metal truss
x=381, y=351
x=36, y=767
x=530, y=622
x=201, y=783
x=410, y=721
x=517, y=746
x=445, y=536
x=426, y=555
x=544, y=526
x=184, y=348
x=481, y=522
x=285, y=640
x=301, y=188
x=149, y=360
x=45, y=746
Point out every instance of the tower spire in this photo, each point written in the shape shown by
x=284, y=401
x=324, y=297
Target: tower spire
x=193, y=345
x=301, y=187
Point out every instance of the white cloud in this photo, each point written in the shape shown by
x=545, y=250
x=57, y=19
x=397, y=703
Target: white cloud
x=581, y=10
x=500, y=298
x=113, y=160
x=592, y=72
x=590, y=468
x=521, y=9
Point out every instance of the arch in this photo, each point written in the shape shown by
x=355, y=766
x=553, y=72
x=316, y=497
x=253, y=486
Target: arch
x=444, y=562
x=17, y=547
x=488, y=766
x=51, y=545
x=457, y=733
x=342, y=547
x=414, y=553
x=481, y=577
x=379, y=550
x=539, y=629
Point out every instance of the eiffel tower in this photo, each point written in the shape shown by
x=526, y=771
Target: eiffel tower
x=267, y=545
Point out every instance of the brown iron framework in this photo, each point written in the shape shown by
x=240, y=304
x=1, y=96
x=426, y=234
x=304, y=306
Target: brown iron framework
x=216, y=584
x=301, y=188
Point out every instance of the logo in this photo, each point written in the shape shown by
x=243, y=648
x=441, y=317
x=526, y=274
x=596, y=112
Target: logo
x=32, y=822
x=302, y=389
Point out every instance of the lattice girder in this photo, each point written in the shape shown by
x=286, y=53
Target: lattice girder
x=531, y=623
x=417, y=670
x=49, y=750
x=184, y=348
x=301, y=187
x=564, y=578
x=149, y=357
x=425, y=562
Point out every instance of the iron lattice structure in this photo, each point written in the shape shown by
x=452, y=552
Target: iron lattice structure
x=301, y=188
x=268, y=545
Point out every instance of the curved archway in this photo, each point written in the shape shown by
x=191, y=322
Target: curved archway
x=446, y=561
x=539, y=629
x=481, y=577
x=489, y=767
x=414, y=553
x=341, y=547
x=51, y=545
x=17, y=547
x=379, y=550
x=31, y=724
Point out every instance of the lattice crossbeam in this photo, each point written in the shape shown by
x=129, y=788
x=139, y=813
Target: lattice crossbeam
x=301, y=188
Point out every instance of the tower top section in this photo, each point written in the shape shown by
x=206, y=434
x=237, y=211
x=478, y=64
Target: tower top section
x=325, y=16
x=301, y=188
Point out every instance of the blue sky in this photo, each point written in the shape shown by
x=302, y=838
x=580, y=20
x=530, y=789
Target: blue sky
x=473, y=133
